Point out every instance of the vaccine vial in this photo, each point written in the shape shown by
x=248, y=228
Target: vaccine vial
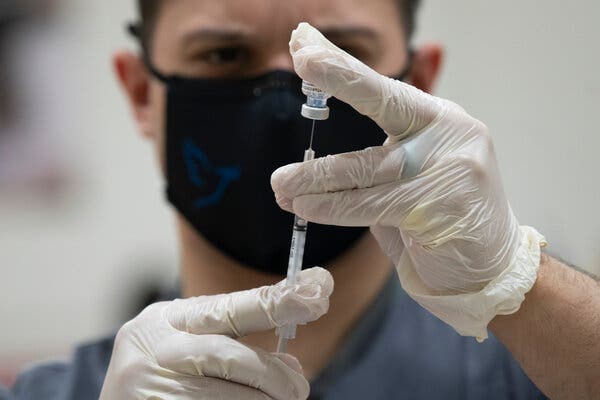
x=315, y=107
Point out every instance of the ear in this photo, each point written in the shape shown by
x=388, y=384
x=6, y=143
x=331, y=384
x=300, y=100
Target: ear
x=135, y=82
x=426, y=66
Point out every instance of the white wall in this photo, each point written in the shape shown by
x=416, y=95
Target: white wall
x=68, y=265
x=529, y=69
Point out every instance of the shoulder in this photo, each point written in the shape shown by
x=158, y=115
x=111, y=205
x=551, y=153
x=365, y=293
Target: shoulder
x=475, y=370
x=415, y=351
x=81, y=378
x=44, y=381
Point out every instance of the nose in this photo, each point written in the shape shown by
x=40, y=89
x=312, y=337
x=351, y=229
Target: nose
x=281, y=60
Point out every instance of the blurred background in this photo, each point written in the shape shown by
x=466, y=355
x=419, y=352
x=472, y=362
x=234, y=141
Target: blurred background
x=85, y=236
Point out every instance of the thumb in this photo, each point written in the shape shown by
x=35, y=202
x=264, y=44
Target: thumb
x=398, y=108
x=240, y=313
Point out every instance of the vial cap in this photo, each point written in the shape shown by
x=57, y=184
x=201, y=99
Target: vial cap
x=319, y=114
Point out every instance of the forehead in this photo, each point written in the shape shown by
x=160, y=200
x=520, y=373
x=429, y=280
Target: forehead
x=276, y=17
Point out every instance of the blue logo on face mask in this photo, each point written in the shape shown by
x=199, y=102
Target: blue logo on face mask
x=200, y=170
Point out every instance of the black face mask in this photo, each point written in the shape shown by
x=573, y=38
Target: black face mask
x=224, y=138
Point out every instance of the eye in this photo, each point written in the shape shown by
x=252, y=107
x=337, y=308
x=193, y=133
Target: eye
x=223, y=56
x=353, y=50
x=347, y=49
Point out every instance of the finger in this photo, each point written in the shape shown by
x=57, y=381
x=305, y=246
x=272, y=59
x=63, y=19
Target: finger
x=192, y=388
x=359, y=207
x=240, y=313
x=221, y=357
x=398, y=108
x=425, y=207
x=290, y=361
x=389, y=204
x=356, y=170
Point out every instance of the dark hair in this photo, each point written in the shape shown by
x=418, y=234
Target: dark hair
x=149, y=9
x=408, y=16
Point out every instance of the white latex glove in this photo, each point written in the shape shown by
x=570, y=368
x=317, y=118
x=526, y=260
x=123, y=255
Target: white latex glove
x=185, y=349
x=432, y=194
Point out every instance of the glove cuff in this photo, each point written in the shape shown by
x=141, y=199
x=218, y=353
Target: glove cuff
x=469, y=314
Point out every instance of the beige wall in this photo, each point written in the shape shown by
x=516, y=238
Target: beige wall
x=69, y=263
x=529, y=69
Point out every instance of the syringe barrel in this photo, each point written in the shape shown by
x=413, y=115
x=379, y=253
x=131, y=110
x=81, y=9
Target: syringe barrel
x=296, y=250
x=287, y=332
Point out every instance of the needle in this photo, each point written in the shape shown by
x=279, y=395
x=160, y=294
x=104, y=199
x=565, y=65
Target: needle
x=312, y=133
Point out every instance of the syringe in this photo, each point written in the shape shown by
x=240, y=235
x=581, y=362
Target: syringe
x=315, y=108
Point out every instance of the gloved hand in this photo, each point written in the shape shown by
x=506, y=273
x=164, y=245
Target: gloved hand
x=432, y=194
x=185, y=349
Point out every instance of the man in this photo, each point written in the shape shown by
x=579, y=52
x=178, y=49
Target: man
x=216, y=94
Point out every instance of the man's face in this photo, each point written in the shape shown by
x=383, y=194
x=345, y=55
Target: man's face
x=233, y=38
x=241, y=38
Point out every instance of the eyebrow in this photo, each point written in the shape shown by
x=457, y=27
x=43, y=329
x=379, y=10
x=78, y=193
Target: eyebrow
x=216, y=35
x=345, y=32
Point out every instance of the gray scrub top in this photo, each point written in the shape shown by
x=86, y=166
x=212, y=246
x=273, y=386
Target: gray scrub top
x=396, y=351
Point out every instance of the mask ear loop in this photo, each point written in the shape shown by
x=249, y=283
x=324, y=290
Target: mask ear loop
x=135, y=29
